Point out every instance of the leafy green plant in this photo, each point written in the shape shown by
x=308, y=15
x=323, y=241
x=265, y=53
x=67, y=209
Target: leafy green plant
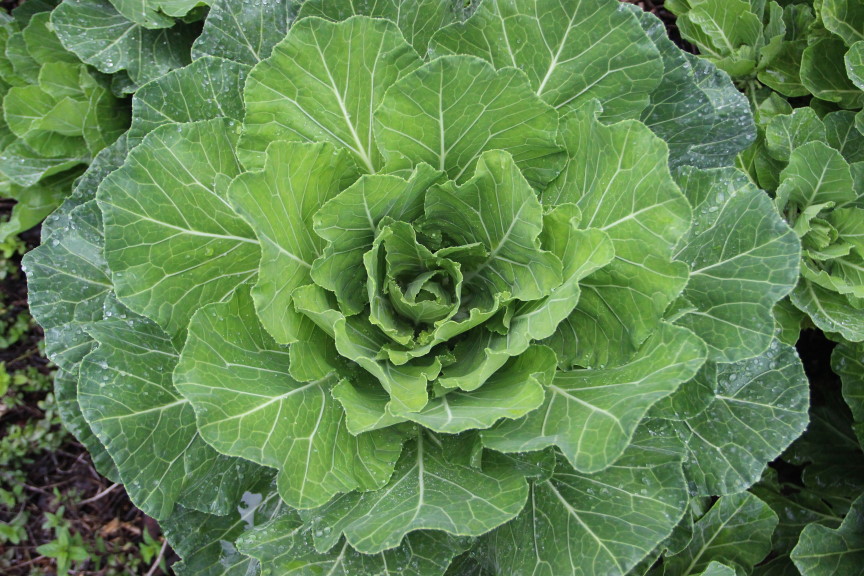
x=416, y=281
x=57, y=114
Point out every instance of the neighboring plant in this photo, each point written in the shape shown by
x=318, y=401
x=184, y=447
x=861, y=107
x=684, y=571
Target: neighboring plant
x=57, y=114
x=418, y=285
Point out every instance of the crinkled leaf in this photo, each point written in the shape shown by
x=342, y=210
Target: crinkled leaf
x=102, y=37
x=572, y=51
x=172, y=241
x=425, y=492
x=284, y=546
x=743, y=259
x=208, y=88
x=451, y=110
x=619, y=178
x=760, y=407
x=127, y=397
x=591, y=415
x=823, y=551
x=596, y=524
x=736, y=530
x=248, y=405
x=279, y=203
x=317, y=87
x=498, y=208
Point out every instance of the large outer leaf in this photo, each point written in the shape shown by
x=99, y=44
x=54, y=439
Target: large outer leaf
x=823, y=551
x=845, y=18
x=829, y=311
x=759, y=408
x=847, y=361
x=102, y=37
x=426, y=492
x=248, y=405
x=823, y=73
x=279, y=203
x=128, y=398
x=285, y=547
x=696, y=109
x=599, y=524
x=743, y=259
x=417, y=19
x=497, y=208
x=172, y=241
x=317, y=87
x=208, y=88
x=619, y=178
x=572, y=51
x=736, y=530
x=244, y=31
x=591, y=415
x=451, y=110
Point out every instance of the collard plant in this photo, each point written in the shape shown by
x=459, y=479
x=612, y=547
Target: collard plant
x=57, y=114
x=408, y=288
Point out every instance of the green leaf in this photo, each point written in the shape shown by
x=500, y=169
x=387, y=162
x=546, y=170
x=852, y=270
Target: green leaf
x=823, y=73
x=309, y=91
x=845, y=18
x=238, y=380
x=736, y=530
x=843, y=135
x=206, y=89
x=786, y=132
x=571, y=51
x=243, y=31
x=619, y=179
x=451, y=110
x=695, y=109
x=829, y=311
x=154, y=13
x=128, y=399
x=284, y=546
x=171, y=240
x=591, y=415
x=25, y=166
x=816, y=174
x=34, y=203
x=855, y=64
x=426, y=492
x=847, y=361
x=760, y=407
x=279, y=203
x=824, y=551
x=597, y=524
x=743, y=259
x=514, y=390
x=102, y=37
x=418, y=20
x=498, y=208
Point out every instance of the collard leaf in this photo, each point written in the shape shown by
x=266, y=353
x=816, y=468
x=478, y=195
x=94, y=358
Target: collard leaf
x=309, y=91
x=696, y=109
x=736, y=531
x=154, y=13
x=451, y=110
x=285, y=547
x=208, y=88
x=102, y=37
x=591, y=415
x=248, y=405
x=596, y=524
x=172, y=241
x=824, y=551
x=845, y=18
x=816, y=174
x=127, y=397
x=25, y=166
x=571, y=51
x=829, y=311
x=760, y=407
x=418, y=20
x=743, y=259
x=847, y=361
x=279, y=203
x=823, y=73
x=244, y=31
x=425, y=492
x=618, y=178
